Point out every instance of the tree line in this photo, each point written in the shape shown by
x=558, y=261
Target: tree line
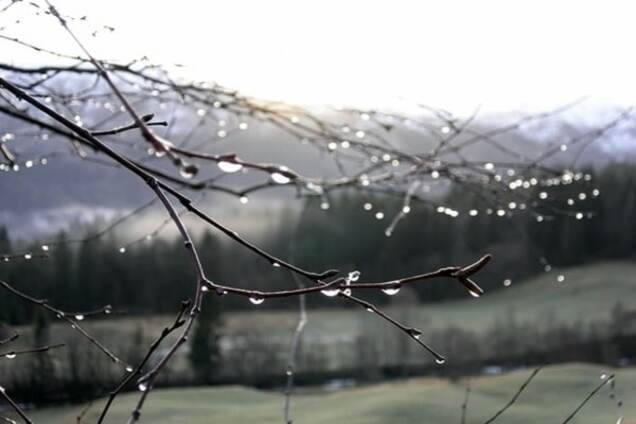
x=149, y=276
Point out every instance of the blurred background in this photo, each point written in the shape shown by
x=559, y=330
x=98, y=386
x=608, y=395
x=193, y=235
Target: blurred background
x=535, y=77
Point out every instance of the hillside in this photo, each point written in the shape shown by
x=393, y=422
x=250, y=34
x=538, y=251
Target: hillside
x=412, y=401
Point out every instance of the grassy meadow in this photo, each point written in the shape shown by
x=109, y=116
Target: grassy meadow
x=552, y=395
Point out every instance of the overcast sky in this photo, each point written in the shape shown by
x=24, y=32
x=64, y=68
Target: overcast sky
x=504, y=55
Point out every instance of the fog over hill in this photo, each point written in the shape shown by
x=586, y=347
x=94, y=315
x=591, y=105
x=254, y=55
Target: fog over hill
x=40, y=199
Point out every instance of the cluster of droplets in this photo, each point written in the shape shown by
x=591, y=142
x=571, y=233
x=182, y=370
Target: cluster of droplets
x=16, y=167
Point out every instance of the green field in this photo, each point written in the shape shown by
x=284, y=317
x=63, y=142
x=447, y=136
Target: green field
x=555, y=392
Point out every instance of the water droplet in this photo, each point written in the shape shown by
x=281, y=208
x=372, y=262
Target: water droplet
x=360, y=134
x=415, y=333
x=79, y=317
x=489, y=166
x=507, y=282
x=353, y=276
x=45, y=248
x=579, y=215
x=435, y=175
x=257, y=300
x=324, y=206
x=391, y=291
x=276, y=265
x=473, y=212
x=122, y=250
x=188, y=170
x=473, y=293
x=242, y=126
x=28, y=256
x=330, y=292
x=560, y=278
x=129, y=369
x=289, y=373
x=370, y=310
x=244, y=200
x=221, y=133
x=108, y=309
x=229, y=167
x=10, y=355
x=543, y=195
x=445, y=129
x=205, y=288
x=367, y=206
x=440, y=361
x=28, y=163
x=379, y=215
x=142, y=387
x=406, y=209
x=279, y=178
x=603, y=376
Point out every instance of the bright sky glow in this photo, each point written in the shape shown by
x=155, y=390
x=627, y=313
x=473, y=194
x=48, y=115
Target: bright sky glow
x=450, y=54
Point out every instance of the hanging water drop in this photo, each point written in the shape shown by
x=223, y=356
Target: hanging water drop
x=188, y=170
x=473, y=293
x=244, y=200
x=205, y=288
x=129, y=369
x=440, y=361
x=257, y=300
x=45, y=248
x=28, y=256
x=276, y=265
x=10, y=355
x=122, y=250
x=79, y=317
x=142, y=387
x=560, y=278
x=279, y=178
x=229, y=167
x=330, y=292
x=391, y=291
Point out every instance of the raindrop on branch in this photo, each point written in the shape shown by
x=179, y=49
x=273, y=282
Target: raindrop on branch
x=257, y=300
x=229, y=167
x=391, y=291
x=330, y=292
x=279, y=178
